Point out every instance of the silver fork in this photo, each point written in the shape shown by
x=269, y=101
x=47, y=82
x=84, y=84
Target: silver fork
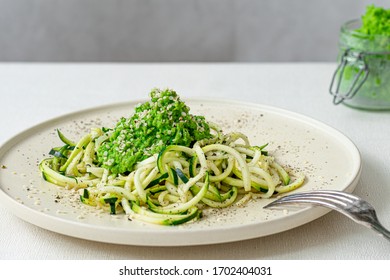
x=350, y=205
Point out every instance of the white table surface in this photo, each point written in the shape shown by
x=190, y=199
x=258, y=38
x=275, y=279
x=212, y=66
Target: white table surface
x=32, y=93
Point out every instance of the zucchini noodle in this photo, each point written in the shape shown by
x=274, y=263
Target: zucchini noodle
x=173, y=186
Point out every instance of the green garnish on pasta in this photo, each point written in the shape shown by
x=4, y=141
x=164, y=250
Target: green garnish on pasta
x=164, y=120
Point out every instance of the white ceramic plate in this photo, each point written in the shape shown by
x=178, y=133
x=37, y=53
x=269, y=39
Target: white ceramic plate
x=328, y=158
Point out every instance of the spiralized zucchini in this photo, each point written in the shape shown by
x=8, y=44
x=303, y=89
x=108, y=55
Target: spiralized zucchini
x=171, y=187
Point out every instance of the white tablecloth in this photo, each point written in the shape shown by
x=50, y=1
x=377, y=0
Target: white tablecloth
x=32, y=93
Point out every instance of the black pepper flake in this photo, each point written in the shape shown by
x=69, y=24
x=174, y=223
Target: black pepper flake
x=3, y=166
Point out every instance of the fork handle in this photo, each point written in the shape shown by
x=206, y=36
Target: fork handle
x=381, y=230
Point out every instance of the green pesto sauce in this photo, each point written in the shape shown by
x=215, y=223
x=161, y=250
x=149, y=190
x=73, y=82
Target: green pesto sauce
x=373, y=40
x=162, y=121
x=376, y=21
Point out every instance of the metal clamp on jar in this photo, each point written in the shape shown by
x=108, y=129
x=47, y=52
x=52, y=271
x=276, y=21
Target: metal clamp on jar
x=362, y=78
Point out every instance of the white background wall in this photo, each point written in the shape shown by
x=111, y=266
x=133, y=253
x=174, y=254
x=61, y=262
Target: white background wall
x=174, y=30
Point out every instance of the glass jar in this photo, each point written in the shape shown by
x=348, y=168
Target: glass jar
x=362, y=78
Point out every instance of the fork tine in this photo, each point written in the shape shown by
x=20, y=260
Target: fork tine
x=340, y=195
x=313, y=199
x=293, y=198
x=338, y=198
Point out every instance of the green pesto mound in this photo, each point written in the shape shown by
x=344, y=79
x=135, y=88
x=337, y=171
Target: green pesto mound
x=162, y=121
x=376, y=21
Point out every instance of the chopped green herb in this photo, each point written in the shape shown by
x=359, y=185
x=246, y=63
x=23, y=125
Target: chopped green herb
x=376, y=21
